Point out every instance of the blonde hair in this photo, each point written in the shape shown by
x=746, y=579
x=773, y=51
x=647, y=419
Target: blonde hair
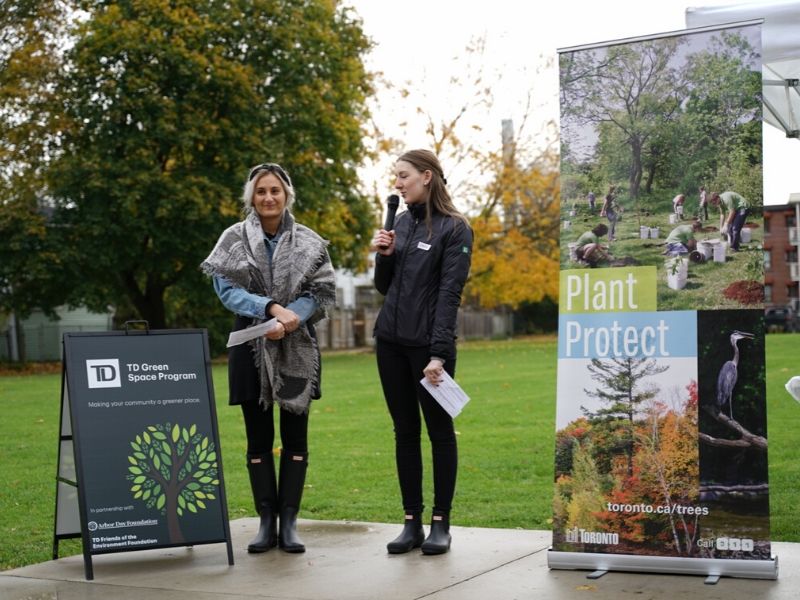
x=252, y=179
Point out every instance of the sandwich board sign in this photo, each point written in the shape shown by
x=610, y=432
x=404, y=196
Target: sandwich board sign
x=139, y=462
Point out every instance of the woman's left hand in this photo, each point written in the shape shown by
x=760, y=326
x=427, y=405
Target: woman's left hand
x=433, y=372
x=286, y=317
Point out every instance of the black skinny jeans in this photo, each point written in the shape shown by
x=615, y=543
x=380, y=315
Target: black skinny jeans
x=260, y=428
x=400, y=369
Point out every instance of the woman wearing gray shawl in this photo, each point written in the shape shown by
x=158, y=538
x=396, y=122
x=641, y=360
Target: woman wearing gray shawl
x=270, y=266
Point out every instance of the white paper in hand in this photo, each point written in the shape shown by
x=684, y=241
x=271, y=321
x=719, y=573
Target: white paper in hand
x=448, y=394
x=251, y=333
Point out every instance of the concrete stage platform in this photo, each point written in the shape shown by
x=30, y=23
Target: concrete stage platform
x=348, y=561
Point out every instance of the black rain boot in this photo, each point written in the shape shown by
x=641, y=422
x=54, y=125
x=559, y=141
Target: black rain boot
x=438, y=540
x=292, y=477
x=412, y=535
x=261, y=468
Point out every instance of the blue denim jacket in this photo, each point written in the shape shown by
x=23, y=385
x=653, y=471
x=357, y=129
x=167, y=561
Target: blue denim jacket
x=247, y=304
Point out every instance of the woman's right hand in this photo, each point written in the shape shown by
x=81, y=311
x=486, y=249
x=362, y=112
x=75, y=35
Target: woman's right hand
x=276, y=334
x=383, y=242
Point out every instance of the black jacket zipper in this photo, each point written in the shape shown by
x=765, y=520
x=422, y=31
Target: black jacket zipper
x=402, y=270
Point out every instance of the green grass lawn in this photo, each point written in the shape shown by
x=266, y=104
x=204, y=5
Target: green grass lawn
x=506, y=435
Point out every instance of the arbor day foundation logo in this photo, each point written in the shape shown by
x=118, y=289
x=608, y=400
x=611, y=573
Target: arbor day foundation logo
x=173, y=470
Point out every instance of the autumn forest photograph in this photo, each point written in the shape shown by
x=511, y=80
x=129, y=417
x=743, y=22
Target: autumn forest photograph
x=628, y=455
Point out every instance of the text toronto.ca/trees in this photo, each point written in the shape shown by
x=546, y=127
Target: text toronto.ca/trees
x=134, y=125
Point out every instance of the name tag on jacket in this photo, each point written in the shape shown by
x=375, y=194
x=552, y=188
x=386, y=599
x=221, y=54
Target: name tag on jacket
x=423, y=246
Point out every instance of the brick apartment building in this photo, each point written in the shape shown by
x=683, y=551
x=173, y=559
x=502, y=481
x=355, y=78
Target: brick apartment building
x=781, y=245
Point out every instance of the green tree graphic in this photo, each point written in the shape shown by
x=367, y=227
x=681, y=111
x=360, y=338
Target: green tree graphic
x=173, y=470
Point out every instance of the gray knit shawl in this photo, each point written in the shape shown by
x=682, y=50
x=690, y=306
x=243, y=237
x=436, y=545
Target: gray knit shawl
x=288, y=368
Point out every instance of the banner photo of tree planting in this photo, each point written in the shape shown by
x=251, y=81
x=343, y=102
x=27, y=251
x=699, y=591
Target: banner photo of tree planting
x=661, y=443
x=146, y=443
x=661, y=164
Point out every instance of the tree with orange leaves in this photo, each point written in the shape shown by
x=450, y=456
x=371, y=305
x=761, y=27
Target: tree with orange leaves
x=509, y=190
x=515, y=259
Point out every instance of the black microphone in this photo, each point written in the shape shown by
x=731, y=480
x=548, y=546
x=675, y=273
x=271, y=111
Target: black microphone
x=392, y=202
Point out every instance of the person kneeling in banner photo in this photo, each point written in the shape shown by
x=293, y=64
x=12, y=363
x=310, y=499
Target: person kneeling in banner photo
x=588, y=249
x=421, y=267
x=270, y=266
x=681, y=240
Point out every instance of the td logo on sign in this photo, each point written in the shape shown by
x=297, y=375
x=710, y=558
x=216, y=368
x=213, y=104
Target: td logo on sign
x=103, y=373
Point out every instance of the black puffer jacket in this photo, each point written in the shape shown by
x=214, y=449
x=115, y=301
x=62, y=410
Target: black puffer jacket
x=422, y=281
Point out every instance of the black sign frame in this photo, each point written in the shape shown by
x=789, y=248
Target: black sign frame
x=149, y=377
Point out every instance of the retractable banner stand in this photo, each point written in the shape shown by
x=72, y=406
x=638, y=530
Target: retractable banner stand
x=661, y=443
x=139, y=458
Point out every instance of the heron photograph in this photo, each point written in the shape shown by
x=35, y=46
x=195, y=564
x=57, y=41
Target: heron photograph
x=732, y=428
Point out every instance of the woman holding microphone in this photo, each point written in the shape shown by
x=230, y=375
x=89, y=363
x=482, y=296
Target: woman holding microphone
x=421, y=267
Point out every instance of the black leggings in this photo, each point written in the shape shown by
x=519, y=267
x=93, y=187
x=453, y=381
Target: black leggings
x=736, y=227
x=260, y=428
x=400, y=369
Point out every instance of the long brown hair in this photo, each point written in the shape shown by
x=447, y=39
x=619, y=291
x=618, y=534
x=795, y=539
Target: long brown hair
x=439, y=199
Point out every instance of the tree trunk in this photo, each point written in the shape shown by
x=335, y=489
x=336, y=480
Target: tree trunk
x=16, y=346
x=153, y=311
x=635, y=176
x=173, y=522
x=630, y=449
x=148, y=304
x=651, y=175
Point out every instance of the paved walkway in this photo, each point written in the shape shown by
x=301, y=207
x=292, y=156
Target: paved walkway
x=348, y=561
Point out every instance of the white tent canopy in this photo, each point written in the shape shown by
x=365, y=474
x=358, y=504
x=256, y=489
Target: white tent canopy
x=780, y=53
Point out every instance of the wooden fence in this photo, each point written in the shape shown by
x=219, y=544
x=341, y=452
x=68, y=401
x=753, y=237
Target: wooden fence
x=352, y=328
